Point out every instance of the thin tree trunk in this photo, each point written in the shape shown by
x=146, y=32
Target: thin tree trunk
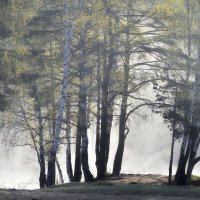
x=59, y=171
x=42, y=178
x=110, y=107
x=84, y=151
x=77, y=167
x=120, y=148
x=97, y=150
x=42, y=158
x=104, y=149
x=101, y=169
x=82, y=128
x=109, y=126
x=102, y=156
x=42, y=182
x=83, y=106
x=171, y=160
x=68, y=147
x=173, y=141
x=68, y=161
x=122, y=123
x=54, y=148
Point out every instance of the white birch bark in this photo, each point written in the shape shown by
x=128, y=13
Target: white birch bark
x=67, y=40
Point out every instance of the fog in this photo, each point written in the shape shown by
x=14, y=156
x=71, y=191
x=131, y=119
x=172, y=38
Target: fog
x=18, y=168
x=147, y=151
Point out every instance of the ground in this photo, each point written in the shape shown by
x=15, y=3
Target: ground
x=127, y=187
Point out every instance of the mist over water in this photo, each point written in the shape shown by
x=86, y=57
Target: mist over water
x=147, y=151
x=18, y=168
x=147, y=147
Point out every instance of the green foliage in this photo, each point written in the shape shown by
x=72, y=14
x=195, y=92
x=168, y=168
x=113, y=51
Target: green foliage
x=169, y=8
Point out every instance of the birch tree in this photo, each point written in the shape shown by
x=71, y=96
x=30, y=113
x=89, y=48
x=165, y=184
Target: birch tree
x=68, y=38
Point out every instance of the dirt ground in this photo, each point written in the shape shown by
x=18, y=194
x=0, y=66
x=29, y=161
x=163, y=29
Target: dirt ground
x=126, y=179
x=28, y=195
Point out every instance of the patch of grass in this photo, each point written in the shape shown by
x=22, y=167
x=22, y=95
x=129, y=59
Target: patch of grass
x=195, y=178
x=128, y=189
x=4, y=192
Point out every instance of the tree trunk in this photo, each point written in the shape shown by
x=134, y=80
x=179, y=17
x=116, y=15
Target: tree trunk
x=98, y=117
x=59, y=171
x=58, y=126
x=180, y=173
x=186, y=149
x=120, y=148
x=171, y=160
x=68, y=147
x=122, y=123
x=84, y=152
x=77, y=167
x=194, y=147
x=51, y=171
x=180, y=178
x=42, y=178
x=82, y=126
x=122, y=126
x=194, y=128
x=109, y=126
x=173, y=140
x=104, y=149
x=42, y=158
x=68, y=161
x=102, y=156
x=104, y=100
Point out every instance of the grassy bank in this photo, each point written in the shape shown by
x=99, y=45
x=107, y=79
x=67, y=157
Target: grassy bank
x=128, y=189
